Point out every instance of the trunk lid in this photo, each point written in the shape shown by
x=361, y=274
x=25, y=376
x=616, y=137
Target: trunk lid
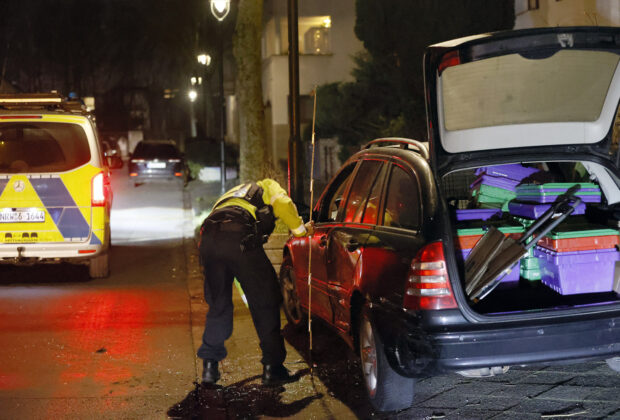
x=535, y=91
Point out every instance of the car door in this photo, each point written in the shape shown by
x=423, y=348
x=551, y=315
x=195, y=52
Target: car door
x=397, y=237
x=328, y=214
x=345, y=241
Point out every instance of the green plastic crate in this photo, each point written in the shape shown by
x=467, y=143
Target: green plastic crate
x=486, y=193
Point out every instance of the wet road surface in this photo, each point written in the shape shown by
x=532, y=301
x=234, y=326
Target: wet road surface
x=124, y=347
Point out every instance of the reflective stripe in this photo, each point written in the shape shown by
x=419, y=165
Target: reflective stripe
x=275, y=197
x=300, y=230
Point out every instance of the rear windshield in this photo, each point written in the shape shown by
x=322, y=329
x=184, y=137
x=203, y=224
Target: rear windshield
x=155, y=150
x=42, y=147
x=569, y=86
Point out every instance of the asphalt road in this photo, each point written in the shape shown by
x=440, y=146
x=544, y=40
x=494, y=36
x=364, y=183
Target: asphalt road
x=120, y=347
x=124, y=347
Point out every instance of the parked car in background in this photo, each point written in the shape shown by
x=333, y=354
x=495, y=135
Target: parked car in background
x=517, y=120
x=55, y=193
x=157, y=160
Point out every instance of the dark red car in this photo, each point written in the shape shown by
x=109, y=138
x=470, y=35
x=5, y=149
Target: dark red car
x=518, y=121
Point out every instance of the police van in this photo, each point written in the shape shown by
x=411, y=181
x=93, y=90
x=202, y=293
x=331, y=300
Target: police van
x=55, y=194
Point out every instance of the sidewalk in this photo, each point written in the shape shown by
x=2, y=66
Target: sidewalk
x=239, y=393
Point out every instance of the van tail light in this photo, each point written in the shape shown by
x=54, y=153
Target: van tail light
x=99, y=190
x=428, y=285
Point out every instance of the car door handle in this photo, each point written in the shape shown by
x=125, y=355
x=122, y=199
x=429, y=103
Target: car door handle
x=323, y=241
x=352, y=245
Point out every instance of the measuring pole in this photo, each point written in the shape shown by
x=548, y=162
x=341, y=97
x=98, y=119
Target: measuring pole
x=310, y=239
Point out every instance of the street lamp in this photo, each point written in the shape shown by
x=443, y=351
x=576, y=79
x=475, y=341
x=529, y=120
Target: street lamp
x=220, y=9
x=204, y=59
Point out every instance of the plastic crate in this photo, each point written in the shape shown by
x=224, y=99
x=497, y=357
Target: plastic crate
x=530, y=266
x=488, y=193
x=511, y=171
x=468, y=238
x=477, y=214
x=534, y=211
x=579, y=244
x=495, y=181
x=510, y=277
x=570, y=273
x=549, y=192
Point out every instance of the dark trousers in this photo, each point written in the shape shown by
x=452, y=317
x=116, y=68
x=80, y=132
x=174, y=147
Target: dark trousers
x=223, y=259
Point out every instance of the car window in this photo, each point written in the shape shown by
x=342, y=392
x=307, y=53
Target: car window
x=402, y=207
x=42, y=147
x=331, y=203
x=374, y=199
x=156, y=150
x=360, y=190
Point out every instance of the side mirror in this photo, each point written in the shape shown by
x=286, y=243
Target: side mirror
x=114, y=162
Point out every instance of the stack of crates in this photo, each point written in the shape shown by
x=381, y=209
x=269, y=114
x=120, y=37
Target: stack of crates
x=496, y=185
x=578, y=257
x=532, y=201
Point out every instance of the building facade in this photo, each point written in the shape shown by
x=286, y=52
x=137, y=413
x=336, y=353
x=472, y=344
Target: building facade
x=327, y=43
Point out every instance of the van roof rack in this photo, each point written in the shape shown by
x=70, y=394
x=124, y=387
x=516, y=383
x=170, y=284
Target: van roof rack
x=33, y=101
x=402, y=142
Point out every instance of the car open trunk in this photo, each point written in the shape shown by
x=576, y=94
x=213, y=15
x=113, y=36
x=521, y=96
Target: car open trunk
x=572, y=266
x=545, y=101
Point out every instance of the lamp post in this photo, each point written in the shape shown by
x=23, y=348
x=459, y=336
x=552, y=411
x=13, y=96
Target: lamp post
x=192, y=95
x=220, y=9
x=204, y=59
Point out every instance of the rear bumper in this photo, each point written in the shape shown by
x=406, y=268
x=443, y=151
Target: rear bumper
x=49, y=252
x=413, y=350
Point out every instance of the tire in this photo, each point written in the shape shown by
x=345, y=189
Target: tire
x=99, y=266
x=614, y=363
x=290, y=298
x=386, y=389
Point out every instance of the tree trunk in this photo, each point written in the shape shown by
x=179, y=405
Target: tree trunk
x=247, y=52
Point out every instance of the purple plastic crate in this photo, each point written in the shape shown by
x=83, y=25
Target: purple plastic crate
x=551, y=198
x=510, y=277
x=477, y=214
x=496, y=181
x=534, y=211
x=570, y=273
x=512, y=171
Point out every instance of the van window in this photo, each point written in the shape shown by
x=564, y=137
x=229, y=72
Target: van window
x=42, y=147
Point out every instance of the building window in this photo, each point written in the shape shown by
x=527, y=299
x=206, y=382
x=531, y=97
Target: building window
x=533, y=4
x=314, y=36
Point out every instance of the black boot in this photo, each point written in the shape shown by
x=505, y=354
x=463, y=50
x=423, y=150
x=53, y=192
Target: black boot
x=210, y=372
x=277, y=375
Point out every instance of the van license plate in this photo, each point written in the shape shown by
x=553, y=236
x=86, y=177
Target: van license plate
x=21, y=216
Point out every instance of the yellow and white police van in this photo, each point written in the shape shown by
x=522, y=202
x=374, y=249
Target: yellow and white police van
x=55, y=194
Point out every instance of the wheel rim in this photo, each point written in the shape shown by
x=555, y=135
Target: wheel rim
x=290, y=297
x=368, y=353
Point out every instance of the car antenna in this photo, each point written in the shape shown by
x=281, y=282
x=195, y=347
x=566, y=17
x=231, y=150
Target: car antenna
x=310, y=239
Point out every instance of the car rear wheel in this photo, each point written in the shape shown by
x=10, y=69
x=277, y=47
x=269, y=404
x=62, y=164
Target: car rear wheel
x=290, y=303
x=99, y=266
x=387, y=390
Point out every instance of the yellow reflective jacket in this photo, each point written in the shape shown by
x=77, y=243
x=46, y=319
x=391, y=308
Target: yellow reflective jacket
x=273, y=194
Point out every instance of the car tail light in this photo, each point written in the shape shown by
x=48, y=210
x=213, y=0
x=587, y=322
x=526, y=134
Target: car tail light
x=178, y=174
x=428, y=285
x=449, y=59
x=133, y=174
x=137, y=160
x=99, y=190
